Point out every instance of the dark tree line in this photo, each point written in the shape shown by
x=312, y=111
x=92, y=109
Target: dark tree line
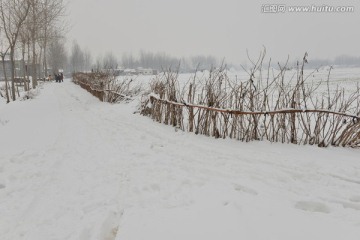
x=162, y=61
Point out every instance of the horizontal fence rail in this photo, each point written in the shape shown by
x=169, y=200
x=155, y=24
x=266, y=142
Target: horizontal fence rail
x=296, y=126
x=238, y=112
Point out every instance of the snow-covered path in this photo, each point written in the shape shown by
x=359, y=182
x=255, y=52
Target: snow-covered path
x=74, y=168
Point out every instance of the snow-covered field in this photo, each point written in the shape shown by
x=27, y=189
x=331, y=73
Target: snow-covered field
x=344, y=78
x=72, y=167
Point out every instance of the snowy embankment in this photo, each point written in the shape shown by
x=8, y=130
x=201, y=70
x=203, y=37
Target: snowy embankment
x=72, y=167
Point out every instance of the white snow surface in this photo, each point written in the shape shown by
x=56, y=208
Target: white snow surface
x=72, y=167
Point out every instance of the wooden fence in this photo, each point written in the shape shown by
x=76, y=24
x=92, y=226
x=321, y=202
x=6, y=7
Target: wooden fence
x=235, y=114
x=298, y=126
x=94, y=83
x=266, y=106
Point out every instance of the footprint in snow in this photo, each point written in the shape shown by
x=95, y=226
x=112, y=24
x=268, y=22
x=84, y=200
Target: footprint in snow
x=355, y=199
x=351, y=205
x=244, y=189
x=110, y=226
x=3, y=122
x=310, y=206
x=152, y=188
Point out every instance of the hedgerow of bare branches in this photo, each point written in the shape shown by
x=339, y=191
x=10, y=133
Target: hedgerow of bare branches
x=106, y=87
x=265, y=107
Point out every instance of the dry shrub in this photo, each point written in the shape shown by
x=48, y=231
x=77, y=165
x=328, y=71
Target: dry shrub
x=106, y=87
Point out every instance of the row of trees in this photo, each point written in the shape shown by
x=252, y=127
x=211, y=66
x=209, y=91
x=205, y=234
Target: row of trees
x=31, y=31
x=341, y=60
x=162, y=61
x=81, y=60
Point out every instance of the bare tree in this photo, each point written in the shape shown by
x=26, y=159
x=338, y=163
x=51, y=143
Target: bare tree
x=3, y=53
x=128, y=61
x=57, y=55
x=110, y=62
x=87, y=59
x=35, y=22
x=25, y=42
x=12, y=15
x=98, y=64
x=53, y=11
x=77, y=58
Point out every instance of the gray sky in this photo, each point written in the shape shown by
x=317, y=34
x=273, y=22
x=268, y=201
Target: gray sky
x=223, y=28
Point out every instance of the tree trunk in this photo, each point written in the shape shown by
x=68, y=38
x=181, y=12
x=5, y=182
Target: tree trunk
x=26, y=87
x=28, y=61
x=33, y=66
x=12, y=61
x=45, y=47
x=33, y=40
x=40, y=64
x=6, y=80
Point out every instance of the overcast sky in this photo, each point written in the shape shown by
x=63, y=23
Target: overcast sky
x=223, y=28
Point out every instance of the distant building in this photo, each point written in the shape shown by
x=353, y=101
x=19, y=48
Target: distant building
x=118, y=71
x=144, y=71
x=138, y=71
x=21, y=69
x=130, y=71
x=7, y=66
